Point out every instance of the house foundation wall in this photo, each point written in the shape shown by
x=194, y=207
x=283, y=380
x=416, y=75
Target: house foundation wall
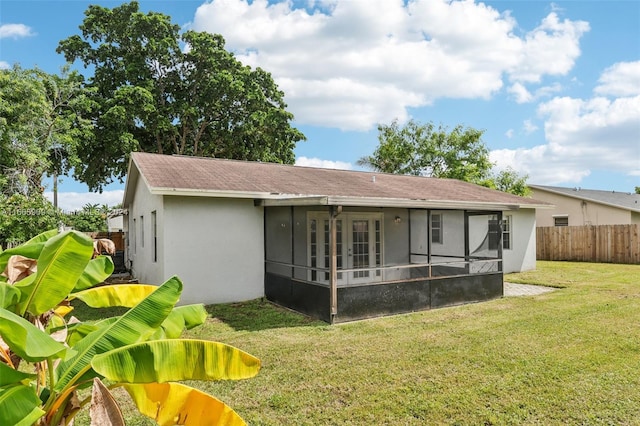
x=380, y=299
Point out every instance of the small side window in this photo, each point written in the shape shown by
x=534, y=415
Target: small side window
x=561, y=221
x=506, y=232
x=436, y=228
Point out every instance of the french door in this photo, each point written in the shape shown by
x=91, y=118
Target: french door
x=359, y=247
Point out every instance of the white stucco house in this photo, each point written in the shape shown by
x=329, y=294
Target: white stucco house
x=335, y=244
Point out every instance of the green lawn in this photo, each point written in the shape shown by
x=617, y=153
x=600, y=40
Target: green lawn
x=571, y=356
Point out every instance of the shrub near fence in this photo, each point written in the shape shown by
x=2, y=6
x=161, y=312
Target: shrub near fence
x=602, y=243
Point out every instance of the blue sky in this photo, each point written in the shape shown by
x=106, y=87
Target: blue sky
x=555, y=85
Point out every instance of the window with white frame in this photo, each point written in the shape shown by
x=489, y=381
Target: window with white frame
x=436, y=228
x=506, y=232
x=561, y=220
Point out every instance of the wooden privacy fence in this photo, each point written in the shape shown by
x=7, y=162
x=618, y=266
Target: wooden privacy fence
x=602, y=243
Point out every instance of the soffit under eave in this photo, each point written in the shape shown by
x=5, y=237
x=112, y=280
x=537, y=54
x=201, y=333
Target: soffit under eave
x=389, y=203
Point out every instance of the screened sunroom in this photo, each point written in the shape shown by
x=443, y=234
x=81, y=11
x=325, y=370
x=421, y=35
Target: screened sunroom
x=342, y=263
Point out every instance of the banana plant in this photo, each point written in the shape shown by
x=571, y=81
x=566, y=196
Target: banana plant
x=139, y=350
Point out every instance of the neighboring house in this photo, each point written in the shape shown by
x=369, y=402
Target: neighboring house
x=115, y=220
x=334, y=244
x=579, y=207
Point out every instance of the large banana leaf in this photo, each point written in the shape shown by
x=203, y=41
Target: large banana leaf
x=98, y=270
x=9, y=376
x=78, y=332
x=173, y=403
x=43, y=237
x=30, y=249
x=127, y=295
x=19, y=406
x=135, y=325
x=174, y=360
x=60, y=264
x=26, y=340
x=181, y=317
x=9, y=296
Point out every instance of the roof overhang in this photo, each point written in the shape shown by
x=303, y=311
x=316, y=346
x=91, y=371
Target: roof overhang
x=275, y=199
x=387, y=202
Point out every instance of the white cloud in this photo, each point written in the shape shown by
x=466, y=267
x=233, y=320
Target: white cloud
x=520, y=92
x=324, y=164
x=72, y=201
x=529, y=127
x=352, y=64
x=509, y=133
x=4, y=65
x=583, y=135
x=550, y=49
x=15, y=31
x=621, y=79
x=522, y=95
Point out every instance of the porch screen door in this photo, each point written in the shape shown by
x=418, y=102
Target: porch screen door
x=362, y=238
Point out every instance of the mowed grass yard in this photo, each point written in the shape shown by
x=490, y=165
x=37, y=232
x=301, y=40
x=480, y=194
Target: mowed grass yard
x=571, y=356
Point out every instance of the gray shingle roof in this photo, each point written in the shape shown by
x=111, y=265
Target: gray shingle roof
x=624, y=200
x=167, y=174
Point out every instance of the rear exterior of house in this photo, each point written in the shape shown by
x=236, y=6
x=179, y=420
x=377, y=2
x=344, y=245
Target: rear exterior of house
x=336, y=245
x=581, y=207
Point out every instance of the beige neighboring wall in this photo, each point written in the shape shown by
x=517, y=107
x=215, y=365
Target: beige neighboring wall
x=580, y=212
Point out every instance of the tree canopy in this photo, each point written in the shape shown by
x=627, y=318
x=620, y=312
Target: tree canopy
x=42, y=122
x=159, y=90
x=426, y=150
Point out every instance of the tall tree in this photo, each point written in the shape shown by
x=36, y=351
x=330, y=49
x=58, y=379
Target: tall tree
x=162, y=91
x=423, y=149
x=42, y=121
x=427, y=150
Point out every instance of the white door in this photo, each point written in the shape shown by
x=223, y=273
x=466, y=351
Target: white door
x=359, y=246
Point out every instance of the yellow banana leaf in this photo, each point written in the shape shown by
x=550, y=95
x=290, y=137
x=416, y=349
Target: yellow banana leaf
x=127, y=295
x=175, y=360
x=63, y=310
x=178, y=404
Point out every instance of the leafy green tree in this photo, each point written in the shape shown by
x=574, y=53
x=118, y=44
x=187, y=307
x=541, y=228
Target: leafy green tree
x=637, y=189
x=139, y=350
x=156, y=96
x=23, y=217
x=42, y=122
x=510, y=181
x=92, y=218
x=426, y=150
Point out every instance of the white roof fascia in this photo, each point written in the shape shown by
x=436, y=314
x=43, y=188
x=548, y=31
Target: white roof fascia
x=388, y=202
x=407, y=203
x=266, y=196
x=276, y=199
